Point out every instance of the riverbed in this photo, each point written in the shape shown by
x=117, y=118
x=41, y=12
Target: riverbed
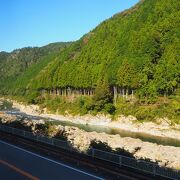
x=6, y=107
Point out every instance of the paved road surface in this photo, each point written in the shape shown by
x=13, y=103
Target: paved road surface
x=19, y=164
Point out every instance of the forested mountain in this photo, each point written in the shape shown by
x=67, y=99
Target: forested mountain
x=135, y=50
x=13, y=65
x=133, y=55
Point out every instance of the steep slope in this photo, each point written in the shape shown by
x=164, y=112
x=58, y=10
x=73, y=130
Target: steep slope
x=135, y=50
x=19, y=66
x=123, y=66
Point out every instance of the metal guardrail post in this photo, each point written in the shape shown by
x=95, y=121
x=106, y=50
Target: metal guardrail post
x=120, y=160
x=70, y=148
x=154, y=169
x=93, y=152
x=52, y=141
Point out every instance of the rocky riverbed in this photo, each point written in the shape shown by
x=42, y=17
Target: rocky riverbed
x=162, y=128
x=81, y=140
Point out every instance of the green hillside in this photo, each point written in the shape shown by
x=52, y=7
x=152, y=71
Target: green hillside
x=18, y=67
x=129, y=64
x=135, y=50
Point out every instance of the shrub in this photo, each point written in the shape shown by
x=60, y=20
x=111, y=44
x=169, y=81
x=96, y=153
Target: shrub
x=109, y=108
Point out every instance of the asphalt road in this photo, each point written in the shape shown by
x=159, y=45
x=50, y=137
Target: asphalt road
x=19, y=164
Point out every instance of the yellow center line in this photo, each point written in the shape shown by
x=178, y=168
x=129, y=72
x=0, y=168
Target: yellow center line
x=19, y=170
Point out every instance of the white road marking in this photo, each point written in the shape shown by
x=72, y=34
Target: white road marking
x=34, y=154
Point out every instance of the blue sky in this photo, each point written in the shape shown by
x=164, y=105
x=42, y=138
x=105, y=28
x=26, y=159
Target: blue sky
x=39, y=22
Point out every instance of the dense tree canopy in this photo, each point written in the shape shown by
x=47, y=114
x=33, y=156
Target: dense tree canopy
x=137, y=50
x=20, y=66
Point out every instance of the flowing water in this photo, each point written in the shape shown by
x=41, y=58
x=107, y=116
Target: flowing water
x=7, y=107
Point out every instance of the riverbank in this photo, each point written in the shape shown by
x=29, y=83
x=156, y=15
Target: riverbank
x=82, y=141
x=162, y=128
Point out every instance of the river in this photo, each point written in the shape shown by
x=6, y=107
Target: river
x=7, y=107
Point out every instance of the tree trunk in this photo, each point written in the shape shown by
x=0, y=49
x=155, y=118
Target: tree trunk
x=118, y=92
x=165, y=94
x=126, y=93
x=132, y=94
x=115, y=94
x=123, y=93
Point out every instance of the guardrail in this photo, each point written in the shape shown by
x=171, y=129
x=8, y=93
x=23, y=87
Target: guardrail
x=120, y=160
